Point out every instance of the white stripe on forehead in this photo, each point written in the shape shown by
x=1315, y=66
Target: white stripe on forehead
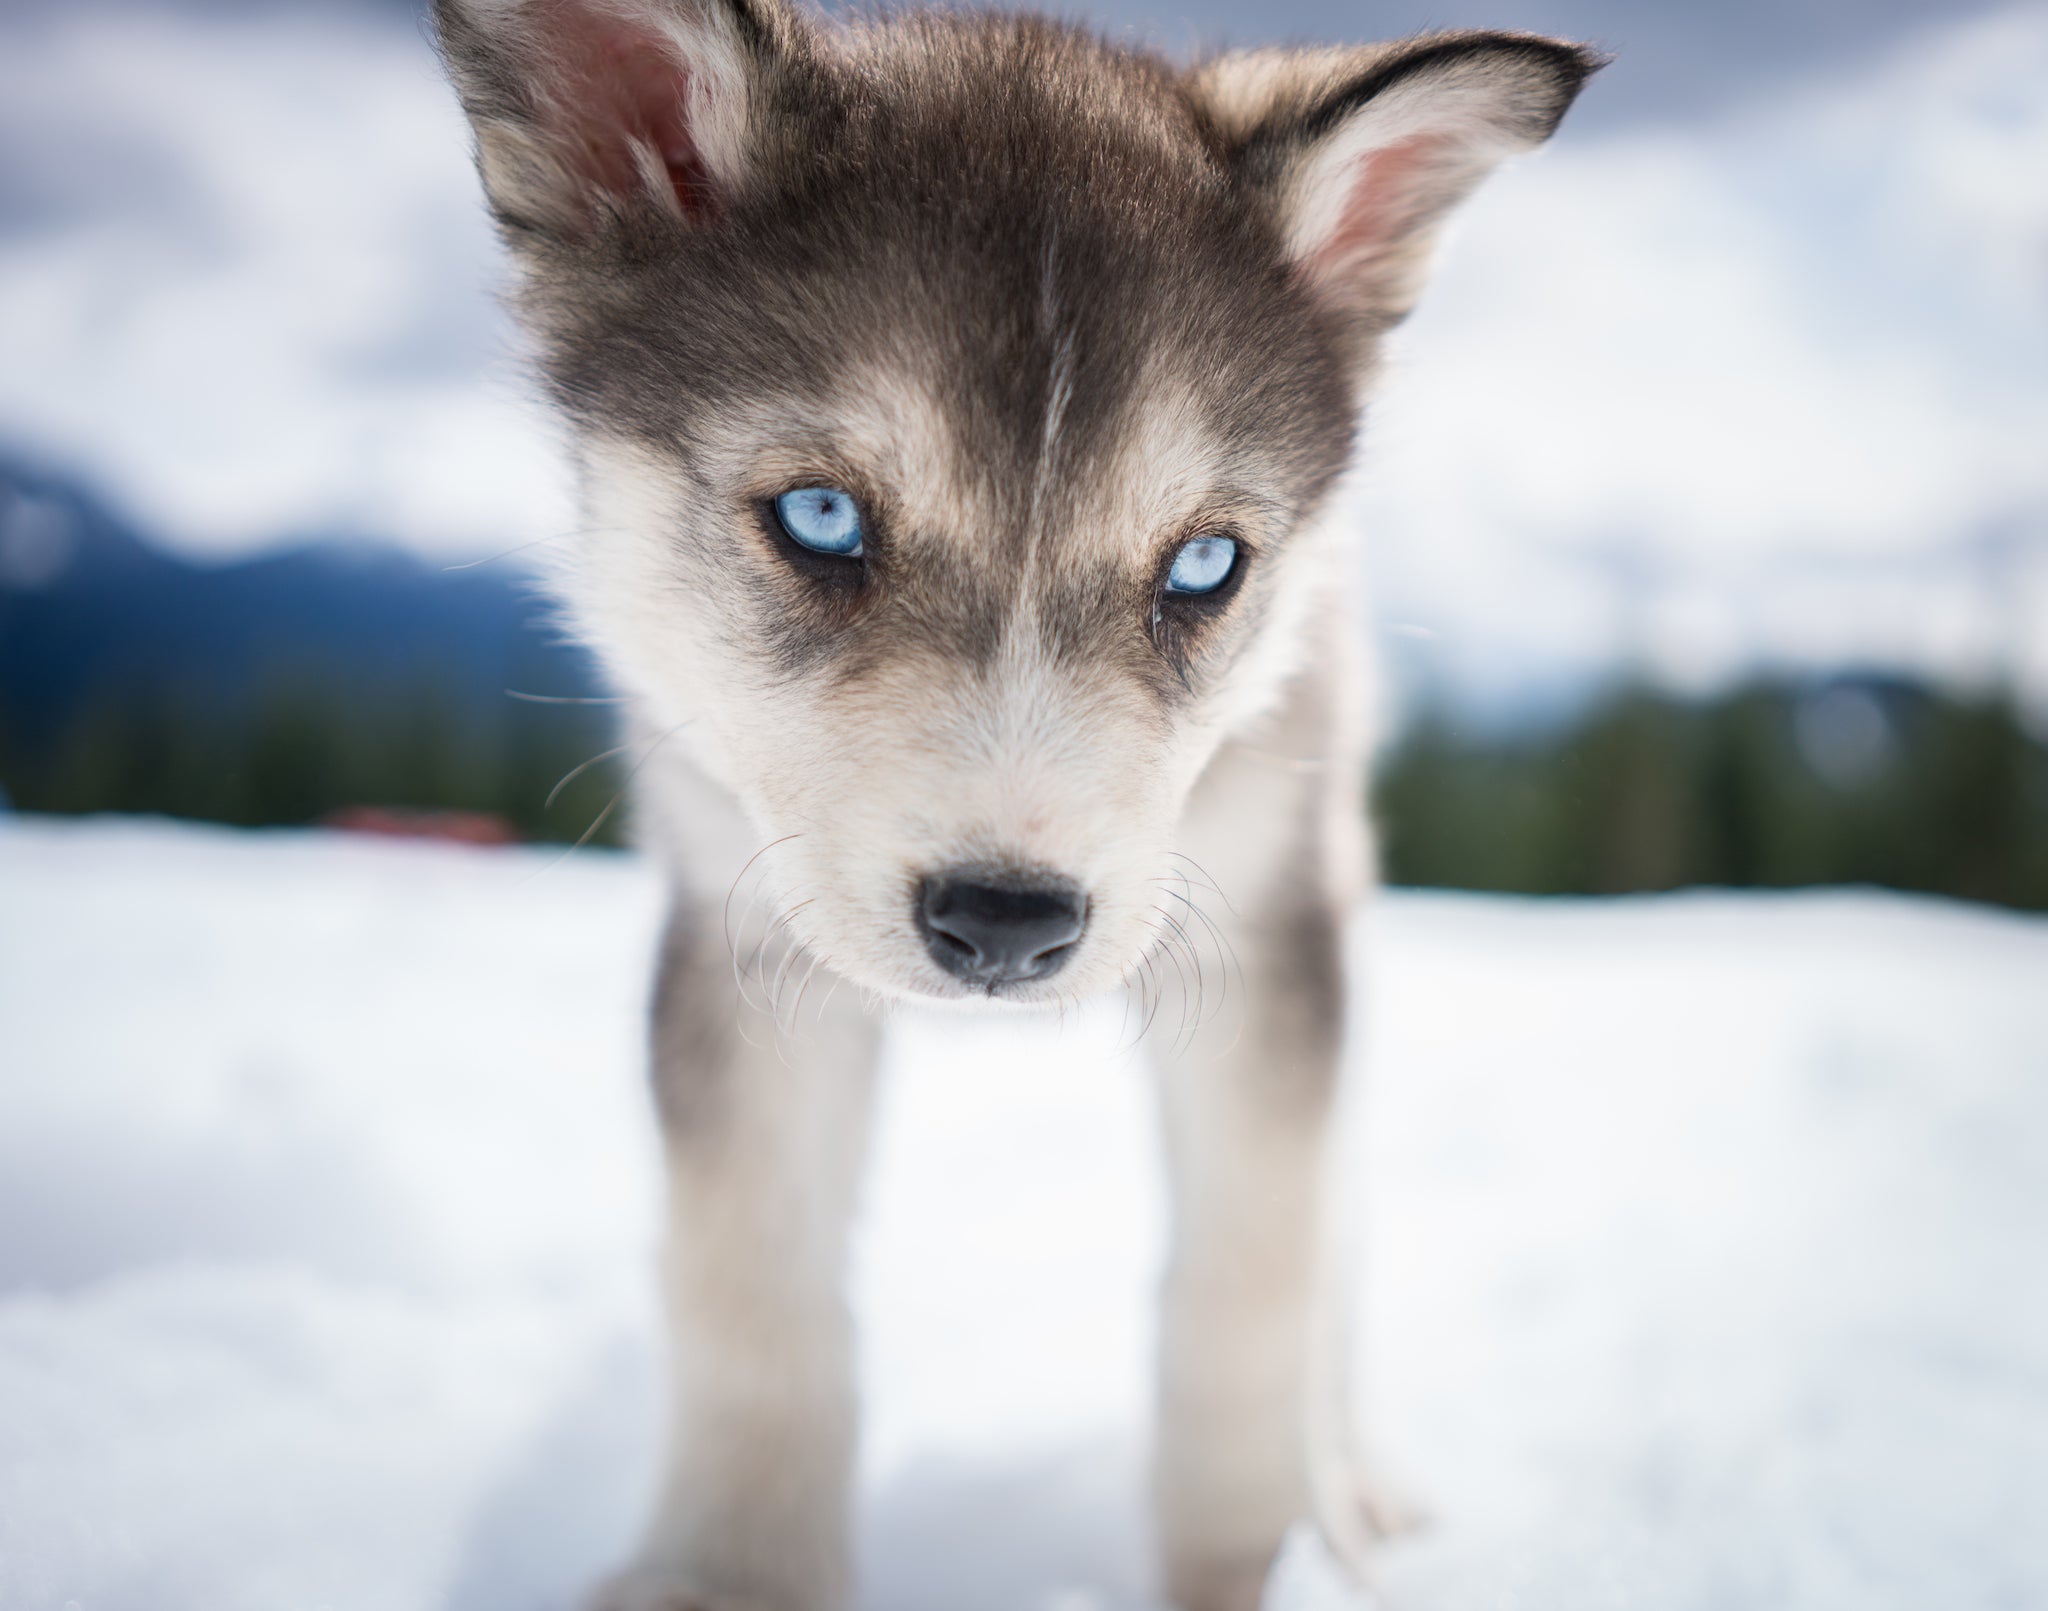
x=1059, y=381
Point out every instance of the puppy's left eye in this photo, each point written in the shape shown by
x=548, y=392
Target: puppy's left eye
x=822, y=519
x=1202, y=565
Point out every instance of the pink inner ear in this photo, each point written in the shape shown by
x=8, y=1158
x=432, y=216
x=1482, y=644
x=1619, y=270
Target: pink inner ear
x=1388, y=198
x=617, y=86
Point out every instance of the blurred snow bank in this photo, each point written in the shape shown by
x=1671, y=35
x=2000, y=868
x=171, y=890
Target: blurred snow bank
x=1701, y=1242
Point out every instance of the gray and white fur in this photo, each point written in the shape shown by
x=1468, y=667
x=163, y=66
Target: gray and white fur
x=1047, y=308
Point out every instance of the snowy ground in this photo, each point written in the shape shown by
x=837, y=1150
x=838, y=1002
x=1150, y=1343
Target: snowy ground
x=1705, y=1249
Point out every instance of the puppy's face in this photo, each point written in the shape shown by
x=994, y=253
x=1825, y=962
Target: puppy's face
x=964, y=656
x=956, y=403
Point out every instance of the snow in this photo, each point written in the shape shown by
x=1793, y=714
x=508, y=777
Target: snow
x=1700, y=1242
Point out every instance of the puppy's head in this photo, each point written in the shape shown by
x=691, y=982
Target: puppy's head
x=956, y=399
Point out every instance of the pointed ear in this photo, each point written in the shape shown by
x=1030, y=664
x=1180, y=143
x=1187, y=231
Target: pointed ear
x=1360, y=154
x=591, y=111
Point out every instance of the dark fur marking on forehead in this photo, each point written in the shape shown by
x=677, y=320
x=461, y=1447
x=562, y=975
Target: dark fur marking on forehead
x=927, y=204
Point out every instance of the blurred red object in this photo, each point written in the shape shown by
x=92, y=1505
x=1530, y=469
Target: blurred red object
x=397, y=822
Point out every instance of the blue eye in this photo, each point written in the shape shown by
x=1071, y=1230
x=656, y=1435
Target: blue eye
x=823, y=519
x=1202, y=565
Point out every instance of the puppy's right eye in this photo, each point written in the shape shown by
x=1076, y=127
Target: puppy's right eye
x=825, y=520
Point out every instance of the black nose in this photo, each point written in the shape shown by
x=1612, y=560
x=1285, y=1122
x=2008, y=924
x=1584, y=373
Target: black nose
x=996, y=928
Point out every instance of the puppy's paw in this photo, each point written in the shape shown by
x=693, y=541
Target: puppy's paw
x=658, y=1583
x=639, y=1590
x=644, y=1588
x=1217, y=1583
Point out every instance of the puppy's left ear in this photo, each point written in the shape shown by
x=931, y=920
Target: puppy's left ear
x=1360, y=154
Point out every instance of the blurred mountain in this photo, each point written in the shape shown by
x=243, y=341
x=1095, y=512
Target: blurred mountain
x=344, y=683
x=331, y=680
x=92, y=611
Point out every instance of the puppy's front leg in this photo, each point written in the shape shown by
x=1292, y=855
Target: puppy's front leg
x=1254, y=1432
x=765, y=1134
x=1242, y=1411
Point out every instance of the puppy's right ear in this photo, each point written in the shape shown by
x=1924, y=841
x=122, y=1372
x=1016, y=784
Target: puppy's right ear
x=590, y=112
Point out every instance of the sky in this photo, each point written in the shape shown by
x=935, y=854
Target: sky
x=1749, y=369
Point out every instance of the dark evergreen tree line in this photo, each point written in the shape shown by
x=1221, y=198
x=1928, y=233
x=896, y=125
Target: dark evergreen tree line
x=1768, y=786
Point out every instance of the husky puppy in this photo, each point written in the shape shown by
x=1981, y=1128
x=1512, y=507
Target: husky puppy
x=958, y=401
